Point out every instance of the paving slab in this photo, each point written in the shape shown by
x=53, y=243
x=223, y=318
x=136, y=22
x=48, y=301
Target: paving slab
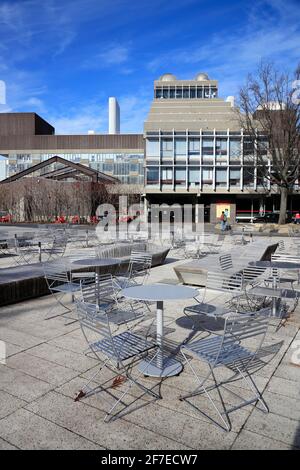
x=41, y=369
x=40, y=433
x=276, y=427
x=248, y=440
x=9, y=403
x=22, y=385
x=88, y=422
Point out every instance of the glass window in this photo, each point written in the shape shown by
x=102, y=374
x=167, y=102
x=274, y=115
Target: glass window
x=221, y=147
x=152, y=175
x=248, y=146
x=235, y=176
x=166, y=92
x=180, y=147
x=221, y=177
x=194, y=176
x=179, y=92
x=207, y=175
x=180, y=176
x=192, y=92
x=214, y=92
x=152, y=147
x=199, y=92
x=158, y=93
x=207, y=147
x=248, y=176
x=194, y=146
x=234, y=149
x=206, y=92
x=186, y=92
x=262, y=147
x=172, y=92
x=167, y=147
x=167, y=175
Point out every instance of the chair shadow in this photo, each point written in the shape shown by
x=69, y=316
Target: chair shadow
x=201, y=323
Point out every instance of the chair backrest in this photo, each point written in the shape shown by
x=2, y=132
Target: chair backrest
x=59, y=243
x=253, y=274
x=221, y=281
x=140, y=263
x=57, y=271
x=285, y=257
x=104, y=291
x=226, y=262
x=242, y=339
x=82, y=254
x=92, y=318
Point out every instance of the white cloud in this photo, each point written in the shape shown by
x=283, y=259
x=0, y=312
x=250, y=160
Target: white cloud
x=111, y=55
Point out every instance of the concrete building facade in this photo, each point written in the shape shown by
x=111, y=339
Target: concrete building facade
x=196, y=151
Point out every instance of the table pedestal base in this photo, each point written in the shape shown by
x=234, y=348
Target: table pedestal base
x=165, y=368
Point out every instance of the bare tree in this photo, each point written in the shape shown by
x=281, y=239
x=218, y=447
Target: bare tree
x=269, y=113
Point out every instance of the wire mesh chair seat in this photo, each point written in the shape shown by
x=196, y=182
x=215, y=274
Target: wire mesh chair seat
x=237, y=349
x=117, y=352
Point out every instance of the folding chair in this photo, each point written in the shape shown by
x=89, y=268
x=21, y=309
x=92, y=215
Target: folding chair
x=118, y=352
x=138, y=269
x=237, y=349
x=105, y=293
x=229, y=286
x=58, y=277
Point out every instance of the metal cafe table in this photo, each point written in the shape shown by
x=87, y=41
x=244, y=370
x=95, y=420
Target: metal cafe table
x=275, y=292
x=165, y=366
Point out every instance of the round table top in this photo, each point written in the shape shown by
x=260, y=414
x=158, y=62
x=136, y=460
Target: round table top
x=275, y=264
x=96, y=262
x=160, y=292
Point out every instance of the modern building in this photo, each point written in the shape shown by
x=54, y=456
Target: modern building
x=26, y=140
x=197, y=153
x=193, y=150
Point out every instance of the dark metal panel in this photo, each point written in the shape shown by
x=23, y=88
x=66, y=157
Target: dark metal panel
x=69, y=142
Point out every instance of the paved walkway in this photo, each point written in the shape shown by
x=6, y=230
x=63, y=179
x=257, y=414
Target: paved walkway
x=46, y=366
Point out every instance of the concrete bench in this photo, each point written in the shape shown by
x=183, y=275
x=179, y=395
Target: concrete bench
x=195, y=272
x=25, y=282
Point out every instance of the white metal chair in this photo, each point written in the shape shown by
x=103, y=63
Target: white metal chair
x=118, y=352
x=237, y=349
x=138, y=270
x=222, y=285
x=105, y=294
x=58, y=277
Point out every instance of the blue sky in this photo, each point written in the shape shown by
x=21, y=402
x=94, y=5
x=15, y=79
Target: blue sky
x=63, y=59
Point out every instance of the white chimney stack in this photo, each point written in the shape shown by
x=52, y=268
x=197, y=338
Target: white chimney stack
x=113, y=116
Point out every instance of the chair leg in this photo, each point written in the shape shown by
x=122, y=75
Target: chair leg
x=131, y=382
x=201, y=389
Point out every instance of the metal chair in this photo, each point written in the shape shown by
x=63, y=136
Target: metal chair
x=105, y=294
x=118, y=352
x=226, y=262
x=237, y=349
x=138, y=269
x=58, y=277
x=59, y=245
x=229, y=286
